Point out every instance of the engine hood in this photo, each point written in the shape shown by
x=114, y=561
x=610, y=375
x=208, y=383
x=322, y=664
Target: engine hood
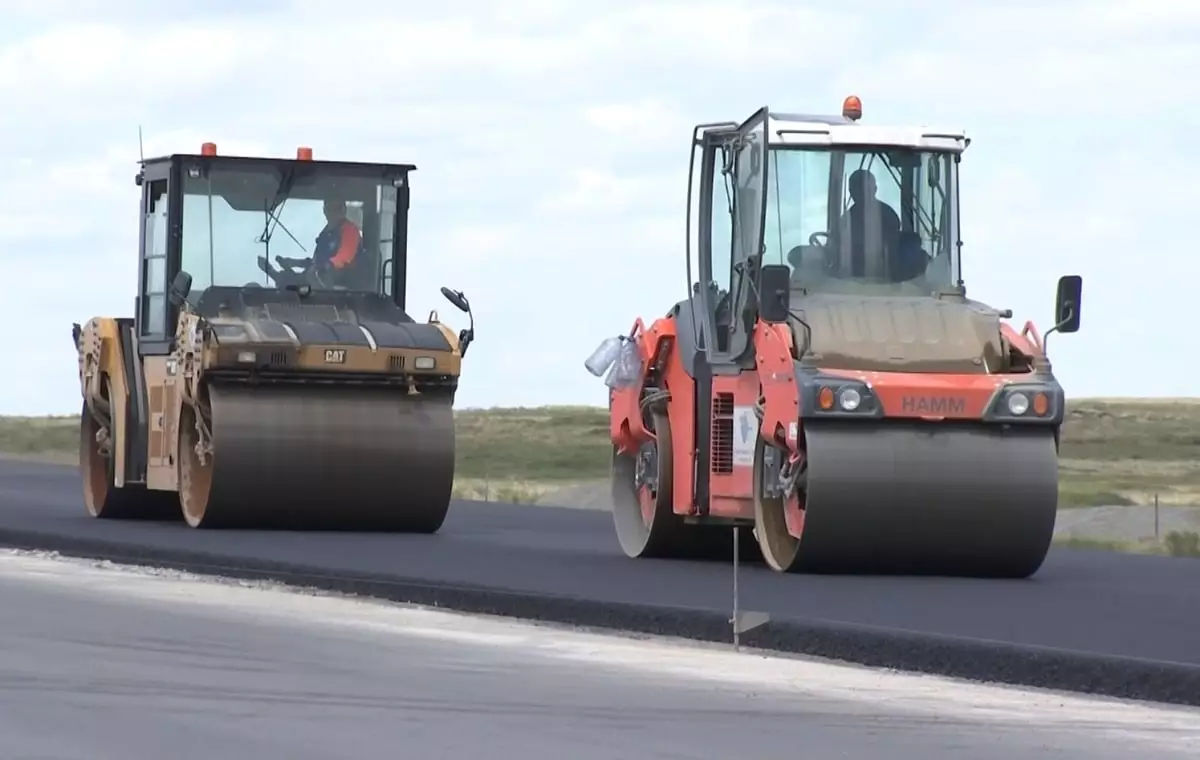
x=900, y=333
x=265, y=315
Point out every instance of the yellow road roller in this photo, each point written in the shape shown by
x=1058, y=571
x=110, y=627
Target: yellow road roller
x=270, y=376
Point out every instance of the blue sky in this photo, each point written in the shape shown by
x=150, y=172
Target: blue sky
x=551, y=140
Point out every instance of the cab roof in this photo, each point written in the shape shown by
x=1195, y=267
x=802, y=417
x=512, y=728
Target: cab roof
x=304, y=155
x=831, y=131
x=846, y=131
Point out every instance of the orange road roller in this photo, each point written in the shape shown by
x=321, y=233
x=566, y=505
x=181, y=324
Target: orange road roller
x=828, y=384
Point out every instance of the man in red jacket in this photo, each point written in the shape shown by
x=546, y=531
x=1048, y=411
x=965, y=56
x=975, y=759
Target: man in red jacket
x=339, y=245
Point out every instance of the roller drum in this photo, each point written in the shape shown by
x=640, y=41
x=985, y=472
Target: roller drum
x=321, y=457
x=923, y=499
x=643, y=516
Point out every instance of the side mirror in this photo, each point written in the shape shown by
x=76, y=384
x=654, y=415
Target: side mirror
x=181, y=288
x=458, y=299
x=462, y=304
x=775, y=291
x=1066, y=307
x=934, y=170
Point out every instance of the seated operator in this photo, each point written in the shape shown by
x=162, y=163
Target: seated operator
x=338, y=246
x=870, y=230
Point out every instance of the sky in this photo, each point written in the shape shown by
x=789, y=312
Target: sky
x=551, y=140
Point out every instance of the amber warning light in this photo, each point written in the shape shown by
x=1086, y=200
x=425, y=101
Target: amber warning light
x=208, y=149
x=852, y=108
x=304, y=154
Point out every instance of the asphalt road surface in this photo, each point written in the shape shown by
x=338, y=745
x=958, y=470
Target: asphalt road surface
x=1088, y=601
x=99, y=662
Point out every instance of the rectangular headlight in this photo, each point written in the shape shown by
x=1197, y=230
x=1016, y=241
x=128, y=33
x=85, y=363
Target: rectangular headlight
x=1032, y=402
x=246, y=357
x=424, y=362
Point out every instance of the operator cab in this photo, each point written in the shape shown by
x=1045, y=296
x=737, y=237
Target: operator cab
x=246, y=229
x=851, y=208
x=863, y=209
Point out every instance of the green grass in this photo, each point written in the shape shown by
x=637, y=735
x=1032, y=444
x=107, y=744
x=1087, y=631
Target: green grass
x=1114, y=451
x=39, y=435
x=1177, y=543
x=554, y=443
x=1136, y=430
x=1127, y=451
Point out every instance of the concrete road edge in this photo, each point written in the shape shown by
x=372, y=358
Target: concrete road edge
x=972, y=659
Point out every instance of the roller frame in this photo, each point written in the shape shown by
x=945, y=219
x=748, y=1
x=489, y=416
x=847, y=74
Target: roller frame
x=933, y=473
x=406, y=488
x=873, y=495
x=288, y=440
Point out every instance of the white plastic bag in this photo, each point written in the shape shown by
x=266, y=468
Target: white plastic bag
x=603, y=357
x=627, y=369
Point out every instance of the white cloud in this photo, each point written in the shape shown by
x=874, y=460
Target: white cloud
x=595, y=190
x=551, y=139
x=645, y=120
x=91, y=56
x=476, y=244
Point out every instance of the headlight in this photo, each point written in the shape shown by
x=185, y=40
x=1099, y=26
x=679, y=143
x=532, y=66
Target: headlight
x=849, y=399
x=1034, y=403
x=1018, y=403
x=835, y=396
x=246, y=357
x=424, y=362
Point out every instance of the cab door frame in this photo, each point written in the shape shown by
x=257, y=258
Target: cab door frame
x=724, y=139
x=160, y=183
x=154, y=175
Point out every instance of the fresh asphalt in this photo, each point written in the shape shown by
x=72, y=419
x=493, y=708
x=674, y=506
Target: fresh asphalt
x=97, y=663
x=1091, y=621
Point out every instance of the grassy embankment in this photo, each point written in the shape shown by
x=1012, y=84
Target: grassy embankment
x=1114, y=452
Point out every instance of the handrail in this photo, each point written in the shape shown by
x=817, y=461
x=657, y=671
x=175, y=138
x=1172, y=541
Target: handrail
x=1030, y=333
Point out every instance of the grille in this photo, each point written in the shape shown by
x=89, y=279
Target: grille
x=722, y=438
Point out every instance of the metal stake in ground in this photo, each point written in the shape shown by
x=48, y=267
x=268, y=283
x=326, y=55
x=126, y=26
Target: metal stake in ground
x=742, y=621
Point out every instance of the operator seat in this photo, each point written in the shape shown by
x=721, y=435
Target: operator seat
x=808, y=264
x=364, y=274
x=910, y=259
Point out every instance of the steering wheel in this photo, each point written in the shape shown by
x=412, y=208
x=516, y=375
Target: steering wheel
x=812, y=239
x=292, y=273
